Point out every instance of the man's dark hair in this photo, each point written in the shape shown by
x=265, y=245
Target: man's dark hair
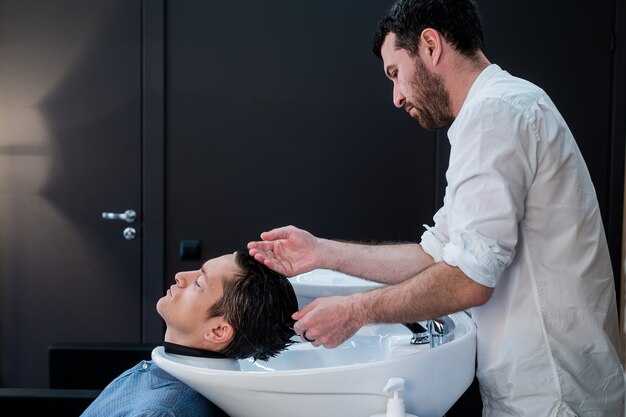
x=258, y=304
x=458, y=21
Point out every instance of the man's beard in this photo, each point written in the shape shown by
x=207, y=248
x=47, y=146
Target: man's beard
x=430, y=99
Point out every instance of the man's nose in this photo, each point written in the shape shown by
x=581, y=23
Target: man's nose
x=177, y=279
x=181, y=279
x=398, y=97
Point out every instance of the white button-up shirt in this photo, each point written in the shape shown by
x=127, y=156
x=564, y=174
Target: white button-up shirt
x=521, y=215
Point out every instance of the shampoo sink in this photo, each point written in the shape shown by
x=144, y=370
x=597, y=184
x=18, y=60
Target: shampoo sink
x=308, y=381
x=348, y=381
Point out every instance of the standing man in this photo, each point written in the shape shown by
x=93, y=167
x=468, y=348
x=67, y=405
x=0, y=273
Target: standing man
x=519, y=239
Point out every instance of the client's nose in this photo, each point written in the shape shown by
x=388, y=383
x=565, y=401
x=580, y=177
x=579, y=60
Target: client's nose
x=184, y=278
x=180, y=279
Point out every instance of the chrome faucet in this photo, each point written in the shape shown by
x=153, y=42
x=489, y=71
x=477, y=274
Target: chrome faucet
x=441, y=331
x=420, y=333
x=437, y=331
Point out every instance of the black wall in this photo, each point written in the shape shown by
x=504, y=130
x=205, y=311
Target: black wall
x=287, y=119
x=256, y=114
x=283, y=115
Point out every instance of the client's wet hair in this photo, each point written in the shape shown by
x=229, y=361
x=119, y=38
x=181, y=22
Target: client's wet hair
x=258, y=303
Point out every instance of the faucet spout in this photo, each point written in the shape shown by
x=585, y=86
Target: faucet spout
x=420, y=333
x=437, y=331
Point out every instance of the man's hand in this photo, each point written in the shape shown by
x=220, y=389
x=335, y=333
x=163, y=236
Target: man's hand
x=328, y=321
x=287, y=250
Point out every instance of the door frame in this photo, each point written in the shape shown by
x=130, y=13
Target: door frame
x=153, y=167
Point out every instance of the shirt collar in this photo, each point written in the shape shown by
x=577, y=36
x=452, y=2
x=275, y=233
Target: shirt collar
x=482, y=78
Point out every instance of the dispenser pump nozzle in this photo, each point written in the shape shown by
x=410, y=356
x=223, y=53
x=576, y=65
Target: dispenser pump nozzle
x=395, y=404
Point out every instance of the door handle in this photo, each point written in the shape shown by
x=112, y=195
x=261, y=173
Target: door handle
x=128, y=216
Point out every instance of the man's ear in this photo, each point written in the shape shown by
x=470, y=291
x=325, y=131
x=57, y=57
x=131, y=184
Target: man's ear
x=218, y=332
x=431, y=41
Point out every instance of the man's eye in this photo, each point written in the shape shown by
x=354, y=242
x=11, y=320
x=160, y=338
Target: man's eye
x=198, y=283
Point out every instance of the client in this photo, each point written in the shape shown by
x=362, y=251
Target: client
x=233, y=307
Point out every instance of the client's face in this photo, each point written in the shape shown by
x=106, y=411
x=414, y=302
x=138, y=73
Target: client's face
x=184, y=307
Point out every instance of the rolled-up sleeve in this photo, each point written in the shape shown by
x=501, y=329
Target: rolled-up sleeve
x=435, y=238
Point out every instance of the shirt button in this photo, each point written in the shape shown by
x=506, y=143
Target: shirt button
x=144, y=366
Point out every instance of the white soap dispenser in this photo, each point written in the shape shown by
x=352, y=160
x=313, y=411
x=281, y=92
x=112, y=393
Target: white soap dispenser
x=395, y=404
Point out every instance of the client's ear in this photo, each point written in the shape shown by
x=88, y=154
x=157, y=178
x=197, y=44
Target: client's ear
x=219, y=332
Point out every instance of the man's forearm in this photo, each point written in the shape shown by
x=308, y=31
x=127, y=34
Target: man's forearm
x=384, y=263
x=438, y=290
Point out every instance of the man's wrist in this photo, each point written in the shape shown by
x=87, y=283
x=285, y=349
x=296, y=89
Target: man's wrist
x=327, y=251
x=361, y=308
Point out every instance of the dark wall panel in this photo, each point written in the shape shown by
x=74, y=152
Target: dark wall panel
x=279, y=113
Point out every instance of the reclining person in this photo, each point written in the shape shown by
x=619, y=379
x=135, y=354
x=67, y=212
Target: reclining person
x=233, y=307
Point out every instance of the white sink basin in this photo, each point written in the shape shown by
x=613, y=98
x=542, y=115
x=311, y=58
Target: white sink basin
x=326, y=282
x=306, y=381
